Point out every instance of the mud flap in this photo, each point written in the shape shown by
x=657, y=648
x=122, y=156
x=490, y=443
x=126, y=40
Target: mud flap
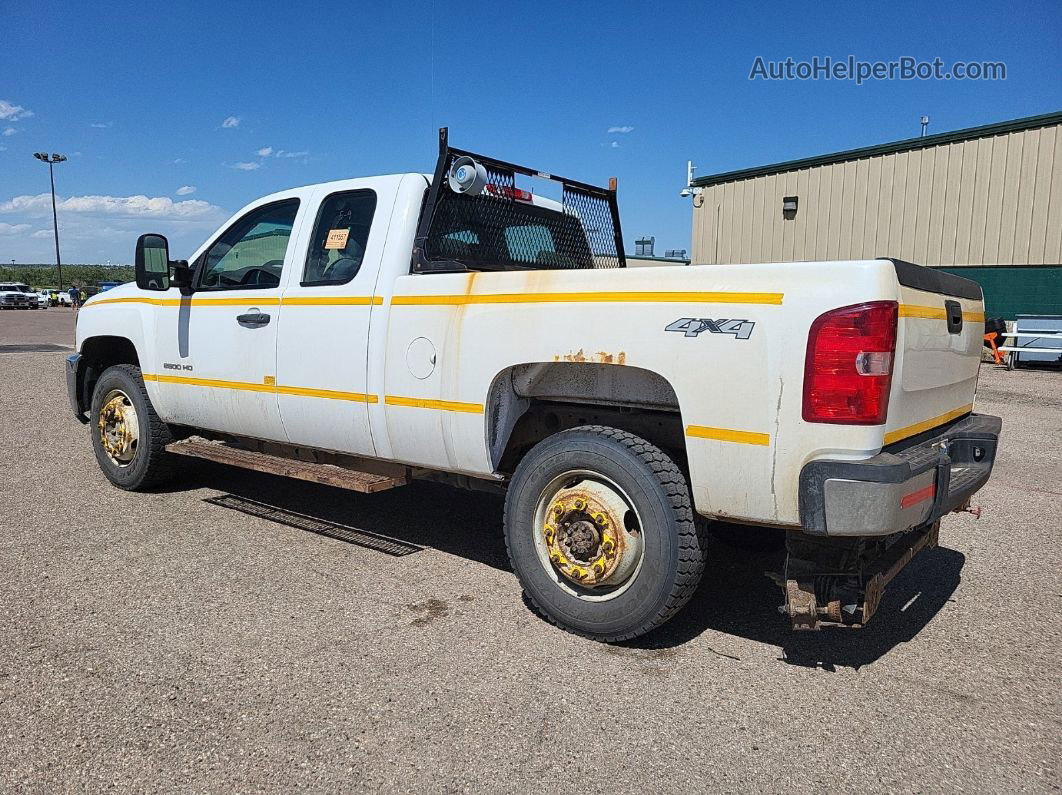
x=839, y=582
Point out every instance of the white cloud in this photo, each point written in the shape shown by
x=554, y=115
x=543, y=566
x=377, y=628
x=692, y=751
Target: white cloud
x=121, y=206
x=102, y=125
x=246, y=166
x=268, y=151
x=230, y=122
x=184, y=190
x=13, y=229
x=615, y=144
x=10, y=131
x=621, y=130
x=179, y=160
x=12, y=112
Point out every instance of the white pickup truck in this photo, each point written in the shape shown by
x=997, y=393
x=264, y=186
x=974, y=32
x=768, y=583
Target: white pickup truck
x=458, y=327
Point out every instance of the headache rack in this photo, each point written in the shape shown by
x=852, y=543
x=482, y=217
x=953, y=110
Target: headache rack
x=503, y=227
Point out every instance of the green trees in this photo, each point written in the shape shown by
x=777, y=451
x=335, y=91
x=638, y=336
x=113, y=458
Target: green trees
x=82, y=275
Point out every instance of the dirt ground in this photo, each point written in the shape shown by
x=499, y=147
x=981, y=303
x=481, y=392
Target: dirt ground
x=162, y=642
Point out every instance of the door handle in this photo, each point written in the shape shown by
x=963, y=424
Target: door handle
x=253, y=319
x=953, y=311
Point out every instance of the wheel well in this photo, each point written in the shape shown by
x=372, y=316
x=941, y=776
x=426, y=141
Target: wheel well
x=533, y=401
x=99, y=353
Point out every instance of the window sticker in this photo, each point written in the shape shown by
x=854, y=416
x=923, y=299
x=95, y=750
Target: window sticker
x=337, y=238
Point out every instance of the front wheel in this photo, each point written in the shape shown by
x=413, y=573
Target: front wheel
x=128, y=437
x=600, y=532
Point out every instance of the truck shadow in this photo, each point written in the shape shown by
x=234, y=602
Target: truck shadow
x=735, y=597
x=457, y=522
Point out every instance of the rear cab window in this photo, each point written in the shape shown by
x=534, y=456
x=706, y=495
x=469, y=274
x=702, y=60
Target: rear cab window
x=496, y=235
x=340, y=237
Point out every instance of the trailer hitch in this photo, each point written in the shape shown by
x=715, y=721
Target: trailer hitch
x=839, y=582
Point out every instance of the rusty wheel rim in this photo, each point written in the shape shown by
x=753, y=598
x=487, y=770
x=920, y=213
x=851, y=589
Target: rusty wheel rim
x=588, y=535
x=119, y=427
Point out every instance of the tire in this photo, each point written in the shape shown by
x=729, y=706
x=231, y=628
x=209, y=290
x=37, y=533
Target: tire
x=659, y=523
x=149, y=465
x=746, y=537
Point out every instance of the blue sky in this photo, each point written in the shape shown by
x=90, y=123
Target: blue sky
x=139, y=99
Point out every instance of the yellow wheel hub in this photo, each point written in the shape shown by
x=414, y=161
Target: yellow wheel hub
x=585, y=536
x=119, y=427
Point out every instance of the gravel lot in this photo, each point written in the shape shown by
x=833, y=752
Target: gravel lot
x=159, y=642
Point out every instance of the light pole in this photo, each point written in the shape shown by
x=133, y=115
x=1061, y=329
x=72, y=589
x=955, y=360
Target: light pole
x=51, y=161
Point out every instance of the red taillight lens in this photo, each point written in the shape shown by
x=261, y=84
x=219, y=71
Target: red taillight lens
x=848, y=370
x=517, y=194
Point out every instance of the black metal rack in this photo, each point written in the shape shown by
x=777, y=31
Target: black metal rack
x=500, y=229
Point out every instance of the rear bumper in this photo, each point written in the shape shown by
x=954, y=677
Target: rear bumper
x=75, y=384
x=900, y=488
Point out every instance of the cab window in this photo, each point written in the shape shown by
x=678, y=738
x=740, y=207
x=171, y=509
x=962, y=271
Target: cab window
x=250, y=254
x=340, y=237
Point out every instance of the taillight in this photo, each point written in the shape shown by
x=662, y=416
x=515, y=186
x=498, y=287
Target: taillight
x=848, y=370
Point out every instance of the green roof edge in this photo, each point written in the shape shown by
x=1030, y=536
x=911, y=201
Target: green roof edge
x=908, y=144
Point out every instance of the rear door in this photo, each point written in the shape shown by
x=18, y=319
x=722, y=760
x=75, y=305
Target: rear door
x=328, y=300
x=940, y=335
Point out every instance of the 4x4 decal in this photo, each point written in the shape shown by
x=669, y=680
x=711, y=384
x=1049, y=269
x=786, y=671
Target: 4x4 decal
x=693, y=326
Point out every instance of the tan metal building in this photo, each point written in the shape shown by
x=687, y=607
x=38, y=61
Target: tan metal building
x=984, y=196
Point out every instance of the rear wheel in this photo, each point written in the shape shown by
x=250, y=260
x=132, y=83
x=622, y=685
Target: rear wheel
x=128, y=437
x=600, y=532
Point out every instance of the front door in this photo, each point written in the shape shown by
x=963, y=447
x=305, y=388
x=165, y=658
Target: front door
x=217, y=347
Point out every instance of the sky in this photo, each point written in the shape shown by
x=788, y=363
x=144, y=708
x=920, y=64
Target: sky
x=174, y=118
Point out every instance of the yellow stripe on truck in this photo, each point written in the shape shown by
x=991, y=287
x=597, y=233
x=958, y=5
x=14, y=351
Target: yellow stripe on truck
x=331, y=394
x=926, y=425
x=214, y=383
x=728, y=435
x=249, y=300
x=937, y=313
x=335, y=300
x=426, y=403
x=933, y=312
x=267, y=385
x=767, y=299
x=772, y=299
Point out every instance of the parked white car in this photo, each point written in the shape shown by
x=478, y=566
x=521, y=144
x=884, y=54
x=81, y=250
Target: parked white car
x=455, y=327
x=15, y=295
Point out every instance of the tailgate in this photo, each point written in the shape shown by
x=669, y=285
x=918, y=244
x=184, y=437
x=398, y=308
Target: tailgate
x=938, y=346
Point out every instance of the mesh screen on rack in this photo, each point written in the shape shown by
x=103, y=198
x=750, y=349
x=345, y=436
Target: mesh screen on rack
x=506, y=228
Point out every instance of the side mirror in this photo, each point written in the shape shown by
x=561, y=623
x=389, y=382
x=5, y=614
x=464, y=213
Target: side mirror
x=152, y=263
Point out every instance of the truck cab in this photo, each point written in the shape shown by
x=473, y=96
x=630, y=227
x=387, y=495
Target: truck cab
x=458, y=326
